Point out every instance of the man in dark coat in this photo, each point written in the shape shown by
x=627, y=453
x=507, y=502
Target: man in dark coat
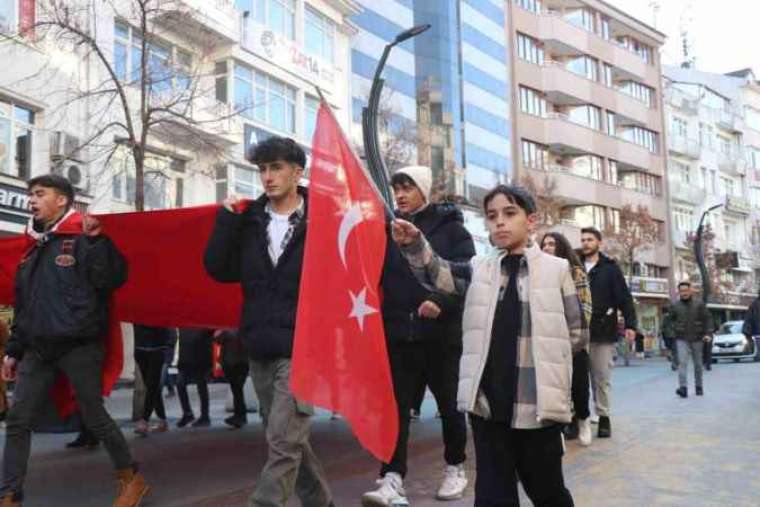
x=424, y=334
x=692, y=326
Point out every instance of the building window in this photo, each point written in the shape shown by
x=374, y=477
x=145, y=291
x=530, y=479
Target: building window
x=642, y=137
x=752, y=116
x=582, y=18
x=163, y=183
x=606, y=31
x=684, y=219
x=679, y=127
x=319, y=35
x=607, y=74
x=530, y=5
x=588, y=116
x=584, y=66
x=265, y=99
x=592, y=216
x=17, y=16
x=534, y=155
x=532, y=102
x=638, y=91
x=245, y=182
x=611, y=123
x=587, y=166
x=167, y=66
x=724, y=145
x=753, y=157
x=277, y=15
x=16, y=124
x=682, y=172
x=530, y=49
x=634, y=46
x=612, y=172
x=311, y=108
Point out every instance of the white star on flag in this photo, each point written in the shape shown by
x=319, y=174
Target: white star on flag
x=360, y=308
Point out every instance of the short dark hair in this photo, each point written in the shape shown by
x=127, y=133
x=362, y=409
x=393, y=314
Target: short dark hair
x=277, y=148
x=684, y=284
x=592, y=230
x=402, y=180
x=562, y=248
x=517, y=195
x=56, y=182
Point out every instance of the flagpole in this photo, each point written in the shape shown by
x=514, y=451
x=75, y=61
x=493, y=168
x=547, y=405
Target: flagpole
x=371, y=178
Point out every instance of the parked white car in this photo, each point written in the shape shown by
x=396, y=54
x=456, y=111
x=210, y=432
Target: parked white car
x=730, y=343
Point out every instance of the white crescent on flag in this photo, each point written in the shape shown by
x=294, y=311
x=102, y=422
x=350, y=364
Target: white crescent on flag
x=351, y=219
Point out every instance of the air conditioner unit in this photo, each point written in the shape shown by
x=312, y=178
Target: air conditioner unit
x=75, y=172
x=64, y=146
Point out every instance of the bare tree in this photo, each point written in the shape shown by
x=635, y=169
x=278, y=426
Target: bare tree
x=636, y=232
x=165, y=95
x=549, y=205
x=397, y=136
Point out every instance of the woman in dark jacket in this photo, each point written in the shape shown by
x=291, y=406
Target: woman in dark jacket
x=195, y=362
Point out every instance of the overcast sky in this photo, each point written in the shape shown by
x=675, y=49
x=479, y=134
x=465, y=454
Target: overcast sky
x=723, y=33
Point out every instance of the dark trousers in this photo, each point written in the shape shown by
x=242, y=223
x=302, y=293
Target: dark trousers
x=200, y=378
x=151, y=364
x=581, y=381
x=236, y=375
x=504, y=455
x=436, y=364
x=83, y=366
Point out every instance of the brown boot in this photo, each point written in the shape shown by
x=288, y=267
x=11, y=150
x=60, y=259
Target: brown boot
x=9, y=502
x=131, y=490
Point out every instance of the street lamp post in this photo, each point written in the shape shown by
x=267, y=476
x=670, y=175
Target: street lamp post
x=700, y=256
x=375, y=161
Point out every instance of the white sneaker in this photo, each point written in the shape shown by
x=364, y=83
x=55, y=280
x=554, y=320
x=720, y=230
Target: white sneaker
x=584, y=432
x=594, y=419
x=454, y=483
x=391, y=492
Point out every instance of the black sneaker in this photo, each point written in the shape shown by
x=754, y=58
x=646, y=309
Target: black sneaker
x=202, y=422
x=605, y=429
x=186, y=419
x=682, y=392
x=236, y=421
x=571, y=430
x=700, y=392
x=84, y=439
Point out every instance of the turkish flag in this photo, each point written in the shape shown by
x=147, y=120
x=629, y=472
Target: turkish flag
x=340, y=360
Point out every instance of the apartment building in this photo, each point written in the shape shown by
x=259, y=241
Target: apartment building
x=588, y=113
x=714, y=159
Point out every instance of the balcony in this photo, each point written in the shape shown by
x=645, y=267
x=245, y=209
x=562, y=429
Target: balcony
x=214, y=119
x=566, y=137
x=683, y=146
x=739, y=205
x=563, y=86
x=686, y=193
x=214, y=21
x=729, y=119
x=551, y=27
x=732, y=163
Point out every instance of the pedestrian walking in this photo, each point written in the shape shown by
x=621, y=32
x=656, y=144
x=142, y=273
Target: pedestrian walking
x=151, y=344
x=692, y=325
x=260, y=245
x=751, y=326
x=669, y=338
x=609, y=294
x=522, y=317
x=558, y=245
x=235, y=367
x=423, y=330
x=63, y=284
x=194, y=367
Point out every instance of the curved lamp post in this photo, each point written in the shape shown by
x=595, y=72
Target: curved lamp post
x=699, y=254
x=375, y=162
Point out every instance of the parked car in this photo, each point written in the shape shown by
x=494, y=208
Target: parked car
x=730, y=343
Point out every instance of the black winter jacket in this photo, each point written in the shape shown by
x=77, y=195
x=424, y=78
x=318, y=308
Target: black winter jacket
x=195, y=353
x=62, y=290
x=237, y=252
x=443, y=226
x=609, y=293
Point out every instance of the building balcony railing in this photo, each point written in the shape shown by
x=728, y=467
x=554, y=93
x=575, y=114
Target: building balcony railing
x=729, y=119
x=732, y=162
x=211, y=21
x=736, y=204
x=687, y=193
x=685, y=146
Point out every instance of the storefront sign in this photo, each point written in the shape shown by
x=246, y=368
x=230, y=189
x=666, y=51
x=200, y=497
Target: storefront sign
x=14, y=198
x=286, y=53
x=649, y=285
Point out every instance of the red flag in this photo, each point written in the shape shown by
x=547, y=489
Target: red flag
x=340, y=360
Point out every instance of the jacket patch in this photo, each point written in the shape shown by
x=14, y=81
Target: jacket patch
x=65, y=260
x=67, y=246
